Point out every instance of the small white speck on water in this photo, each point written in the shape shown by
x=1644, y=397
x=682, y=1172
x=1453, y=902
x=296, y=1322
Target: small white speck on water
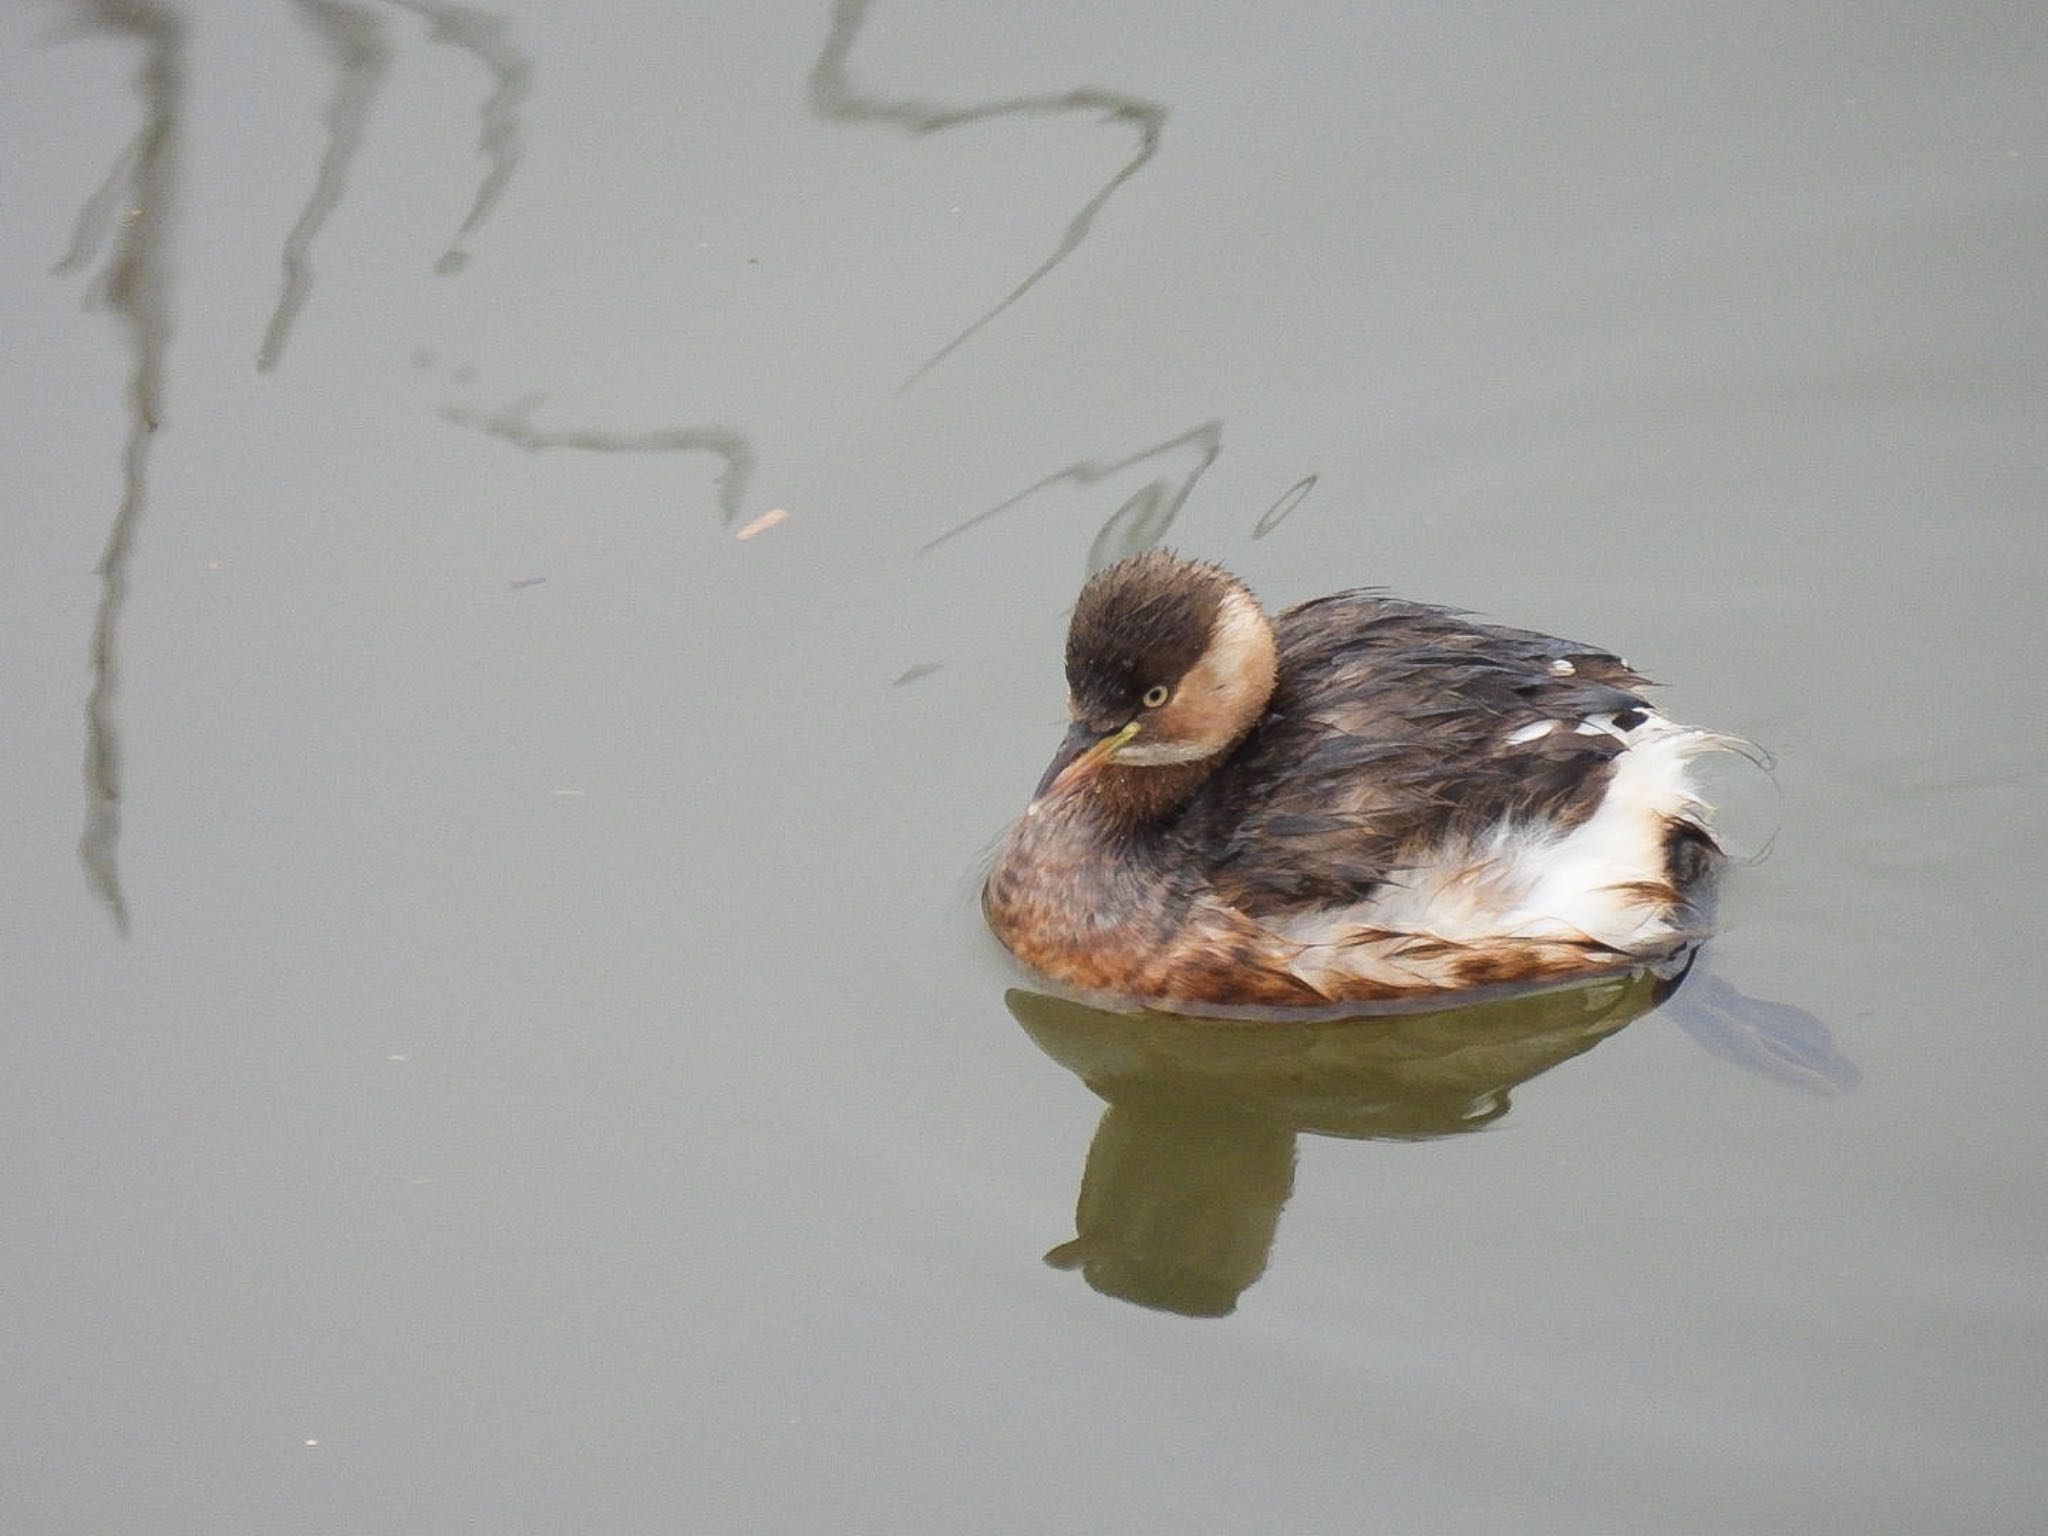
x=394, y=1056
x=312, y=1442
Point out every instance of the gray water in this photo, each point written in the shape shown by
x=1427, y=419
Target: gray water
x=497, y=1033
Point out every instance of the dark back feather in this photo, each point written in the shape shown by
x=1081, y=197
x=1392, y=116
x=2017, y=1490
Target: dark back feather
x=1388, y=733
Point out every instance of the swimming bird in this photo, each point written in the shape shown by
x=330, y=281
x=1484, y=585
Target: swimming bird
x=1357, y=800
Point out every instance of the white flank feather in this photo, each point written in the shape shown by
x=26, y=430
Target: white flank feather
x=1533, y=880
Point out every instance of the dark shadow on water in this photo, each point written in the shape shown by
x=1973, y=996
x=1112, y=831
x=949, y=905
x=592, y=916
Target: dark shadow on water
x=1142, y=520
x=834, y=96
x=514, y=424
x=1193, y=1161
x=501, y=135
x=352, y=37
x=132, y=212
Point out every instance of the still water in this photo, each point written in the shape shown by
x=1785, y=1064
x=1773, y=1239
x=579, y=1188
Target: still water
x=498, y=1036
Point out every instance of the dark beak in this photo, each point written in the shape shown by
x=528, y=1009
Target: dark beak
x=1079, y=739
x=1083, y=751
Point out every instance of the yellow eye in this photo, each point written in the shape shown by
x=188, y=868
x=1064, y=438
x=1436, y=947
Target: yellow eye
x=1156, y=695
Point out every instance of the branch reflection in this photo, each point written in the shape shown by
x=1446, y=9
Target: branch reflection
x=135, y=204
x=352, y=37
x=501, y=131
x=514, y=424
x=834, y=96
x=1143, y=519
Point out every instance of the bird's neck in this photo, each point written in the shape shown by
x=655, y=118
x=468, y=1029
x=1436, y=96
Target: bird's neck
x=1134, y=804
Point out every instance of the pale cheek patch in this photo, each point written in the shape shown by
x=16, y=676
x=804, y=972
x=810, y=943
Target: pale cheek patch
x=1222, y=694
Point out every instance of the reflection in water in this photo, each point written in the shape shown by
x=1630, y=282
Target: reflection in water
x=135, y=285
x=1194, y=1157
x=353, y=38
x=833, y=95
x=90, y=231
x=1140, y=522
x=515, y=425
x=1291, y=498
x=501, y=136
x=1774, y=1040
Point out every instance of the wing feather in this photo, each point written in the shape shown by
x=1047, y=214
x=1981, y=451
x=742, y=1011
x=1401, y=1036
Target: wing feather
x=1389, y=732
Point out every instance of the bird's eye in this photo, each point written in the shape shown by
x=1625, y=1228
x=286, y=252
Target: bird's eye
x=1156, y=695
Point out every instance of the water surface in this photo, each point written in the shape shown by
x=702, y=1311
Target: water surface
x=498, y=1032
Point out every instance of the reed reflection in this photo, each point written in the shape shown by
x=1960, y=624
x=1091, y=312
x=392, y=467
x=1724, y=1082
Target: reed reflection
x=1193, y=1160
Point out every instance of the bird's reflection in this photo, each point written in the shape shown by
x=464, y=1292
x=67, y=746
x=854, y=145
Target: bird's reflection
x=1194, y=1157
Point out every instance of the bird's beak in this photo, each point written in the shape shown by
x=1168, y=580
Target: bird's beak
x=1080, y=754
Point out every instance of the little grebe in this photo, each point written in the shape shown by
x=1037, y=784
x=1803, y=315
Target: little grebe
x=1362, y=799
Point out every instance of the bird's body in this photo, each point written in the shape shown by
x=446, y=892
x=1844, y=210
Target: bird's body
x=1360, y=800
